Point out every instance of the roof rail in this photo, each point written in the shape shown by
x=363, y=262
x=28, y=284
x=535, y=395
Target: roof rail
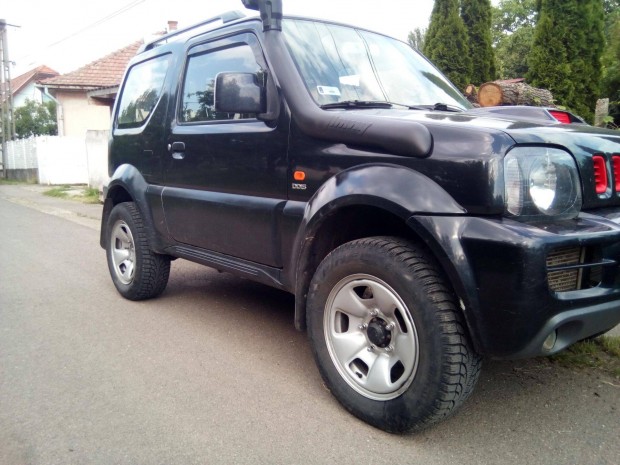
x=224, y=18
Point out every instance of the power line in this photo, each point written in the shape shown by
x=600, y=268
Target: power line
x=98, y=22
x=86, y=28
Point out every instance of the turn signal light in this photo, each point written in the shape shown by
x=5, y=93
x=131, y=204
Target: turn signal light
x=600, y=174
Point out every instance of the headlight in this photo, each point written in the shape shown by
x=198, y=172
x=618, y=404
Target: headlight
x=540, y=182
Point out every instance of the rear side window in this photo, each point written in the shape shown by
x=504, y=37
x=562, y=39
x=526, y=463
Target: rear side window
x=141, y=92
x=198, y=89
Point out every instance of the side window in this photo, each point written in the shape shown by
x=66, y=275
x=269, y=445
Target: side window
x=141, y=91
x=197, y=102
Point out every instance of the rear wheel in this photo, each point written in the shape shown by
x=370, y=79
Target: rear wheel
x=137, y=272
x=387, y=336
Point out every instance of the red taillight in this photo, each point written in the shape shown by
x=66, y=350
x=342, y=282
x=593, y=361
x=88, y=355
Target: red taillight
x=616, y=165
x=600, y=174
x=561, y=116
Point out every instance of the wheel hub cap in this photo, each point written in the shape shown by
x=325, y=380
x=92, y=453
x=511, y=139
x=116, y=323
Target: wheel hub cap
x=378, y=334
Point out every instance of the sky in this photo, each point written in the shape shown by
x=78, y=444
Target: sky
x=67, y=34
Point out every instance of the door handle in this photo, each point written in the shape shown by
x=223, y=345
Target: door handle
x=177, y=149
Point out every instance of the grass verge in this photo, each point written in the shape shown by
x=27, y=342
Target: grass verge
x=91, y=195
x=58, y=191
x=602, y=353
x=11, y=182
x=80, y=193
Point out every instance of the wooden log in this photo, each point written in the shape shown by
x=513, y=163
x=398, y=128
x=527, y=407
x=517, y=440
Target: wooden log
x=471, y=93
x=507, y=93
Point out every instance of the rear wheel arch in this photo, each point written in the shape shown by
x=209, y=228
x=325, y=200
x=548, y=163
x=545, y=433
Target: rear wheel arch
x=127, y=185
x=116, y=194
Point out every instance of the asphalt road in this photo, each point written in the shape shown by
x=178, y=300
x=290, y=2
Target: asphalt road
x=214, y=372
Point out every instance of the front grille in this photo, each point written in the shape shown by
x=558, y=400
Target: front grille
x=575, y=268
x=568, y=279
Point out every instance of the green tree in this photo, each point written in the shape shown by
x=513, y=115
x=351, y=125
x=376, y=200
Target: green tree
x=416, y=38
x=566, y=52
x=36, y=119
x=446, y=45
x=513, y=34
x=477, y=17
x=610, y=87
x=588, y=56
x=549, y=65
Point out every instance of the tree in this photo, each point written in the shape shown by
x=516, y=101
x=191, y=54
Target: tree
x=566, y=52
x=513, y=33
x=610, y=87
x=548, y=61
x=36, y=119
x=446, y=45
x=416, y=38
x=588, y=56
x=477, y=16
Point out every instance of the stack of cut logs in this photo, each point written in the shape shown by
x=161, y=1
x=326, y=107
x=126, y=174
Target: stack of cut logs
x=496, y=93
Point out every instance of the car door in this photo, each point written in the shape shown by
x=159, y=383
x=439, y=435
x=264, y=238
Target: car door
x=225, y=179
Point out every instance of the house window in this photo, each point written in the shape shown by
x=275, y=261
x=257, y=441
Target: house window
x=198, y=102
x=141, y=91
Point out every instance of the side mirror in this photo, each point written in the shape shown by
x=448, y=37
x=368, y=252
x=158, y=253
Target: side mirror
x=239, y=93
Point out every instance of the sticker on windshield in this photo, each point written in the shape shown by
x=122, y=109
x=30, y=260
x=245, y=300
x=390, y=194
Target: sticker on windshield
x=327, y=90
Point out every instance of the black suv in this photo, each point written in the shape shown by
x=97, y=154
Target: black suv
x=416, y=233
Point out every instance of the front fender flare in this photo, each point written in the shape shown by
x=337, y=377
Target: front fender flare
x=398, y=190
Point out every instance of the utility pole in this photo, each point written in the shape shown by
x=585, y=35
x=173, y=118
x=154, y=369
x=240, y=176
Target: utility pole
x=7, y=121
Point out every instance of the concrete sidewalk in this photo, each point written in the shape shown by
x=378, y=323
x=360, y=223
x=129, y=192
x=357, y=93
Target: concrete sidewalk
x=32, y=196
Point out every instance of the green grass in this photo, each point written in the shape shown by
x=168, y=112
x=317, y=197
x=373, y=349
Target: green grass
x=80, y=193
x=58, y=191
x=91, y=195
x=601, y=353
x=13, y=182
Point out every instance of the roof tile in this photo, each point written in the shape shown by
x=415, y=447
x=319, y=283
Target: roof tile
x=104, y=72
x=36, y=74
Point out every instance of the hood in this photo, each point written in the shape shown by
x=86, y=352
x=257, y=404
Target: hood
x=475, y=137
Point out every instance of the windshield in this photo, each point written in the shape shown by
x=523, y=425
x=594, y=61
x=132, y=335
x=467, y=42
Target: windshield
x=340, y=64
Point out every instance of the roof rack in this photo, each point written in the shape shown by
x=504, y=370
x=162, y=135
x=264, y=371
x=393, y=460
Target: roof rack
x=226, y=17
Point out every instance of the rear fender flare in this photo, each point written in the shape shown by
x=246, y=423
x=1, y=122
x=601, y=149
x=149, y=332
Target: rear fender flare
x=127, y=180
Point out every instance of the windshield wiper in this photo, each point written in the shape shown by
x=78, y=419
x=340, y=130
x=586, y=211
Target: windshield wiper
x=359, y=104
x=356, y=104
x=437, y=107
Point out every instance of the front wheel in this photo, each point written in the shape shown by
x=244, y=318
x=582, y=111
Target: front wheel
x=387, y=336
x=137, y=272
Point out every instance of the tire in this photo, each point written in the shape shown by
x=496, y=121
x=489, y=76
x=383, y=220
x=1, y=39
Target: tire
x=387, y=336
x=137, y=272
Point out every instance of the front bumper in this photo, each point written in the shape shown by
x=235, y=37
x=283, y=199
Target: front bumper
x=499, y=269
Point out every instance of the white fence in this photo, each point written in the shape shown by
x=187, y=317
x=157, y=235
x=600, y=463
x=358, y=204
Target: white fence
x=22, y=154
x=62, y=159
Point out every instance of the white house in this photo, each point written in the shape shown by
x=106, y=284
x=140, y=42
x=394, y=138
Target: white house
x=25, y=87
